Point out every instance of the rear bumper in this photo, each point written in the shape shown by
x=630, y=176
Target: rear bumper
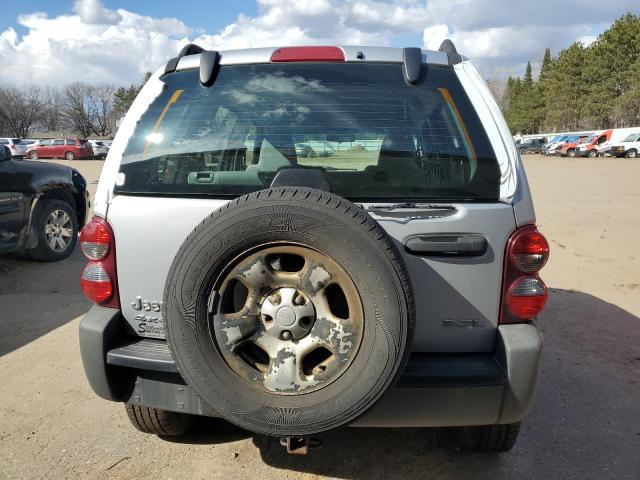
x=433, y=391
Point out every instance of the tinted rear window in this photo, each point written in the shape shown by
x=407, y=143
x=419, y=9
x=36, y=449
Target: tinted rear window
x=371, y=134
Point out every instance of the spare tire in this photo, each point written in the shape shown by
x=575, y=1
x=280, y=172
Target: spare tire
x=289, y=311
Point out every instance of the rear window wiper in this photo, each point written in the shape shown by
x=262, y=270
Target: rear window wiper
x=397, y=212
x=407, y=205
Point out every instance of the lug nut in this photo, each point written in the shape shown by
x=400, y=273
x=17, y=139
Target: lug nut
x=299, y=300
x=286, y=335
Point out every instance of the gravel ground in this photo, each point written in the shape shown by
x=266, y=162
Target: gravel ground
x=585, y=422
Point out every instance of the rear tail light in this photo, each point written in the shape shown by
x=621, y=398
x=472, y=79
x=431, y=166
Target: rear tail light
x=524, y=293
x=96, y=283
x=529, y=250
x=95, y=239
x=308, y=54
x=98, y=279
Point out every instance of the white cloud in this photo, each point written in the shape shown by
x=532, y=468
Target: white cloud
x=94, y=43
x=92, y=11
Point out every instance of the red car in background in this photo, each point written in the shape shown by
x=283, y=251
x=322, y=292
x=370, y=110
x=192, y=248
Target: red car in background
x=69, y=148
x=570, y=149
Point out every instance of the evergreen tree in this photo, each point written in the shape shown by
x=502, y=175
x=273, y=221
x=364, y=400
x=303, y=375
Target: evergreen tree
x=608, y=70
x=124, y=97
x=565, y=93
x=584, y=87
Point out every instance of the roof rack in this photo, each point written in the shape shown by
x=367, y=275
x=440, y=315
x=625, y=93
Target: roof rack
x=449, y=48
x=209, y=62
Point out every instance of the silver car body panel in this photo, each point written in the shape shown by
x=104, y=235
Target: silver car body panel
x=457, y=299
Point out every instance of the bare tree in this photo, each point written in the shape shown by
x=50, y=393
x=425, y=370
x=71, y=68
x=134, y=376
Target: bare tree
x=50, y=117
x=74, y=108
x=89, y=108
x=498, y=86
x=21, y=108
x=101, y=105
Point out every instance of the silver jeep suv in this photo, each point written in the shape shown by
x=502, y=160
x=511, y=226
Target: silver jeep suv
x=298, y=239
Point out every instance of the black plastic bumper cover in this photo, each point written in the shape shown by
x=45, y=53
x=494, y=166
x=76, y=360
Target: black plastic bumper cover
x=434, y=389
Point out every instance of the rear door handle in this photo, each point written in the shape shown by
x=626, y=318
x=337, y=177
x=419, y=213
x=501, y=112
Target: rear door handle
x=447, y=244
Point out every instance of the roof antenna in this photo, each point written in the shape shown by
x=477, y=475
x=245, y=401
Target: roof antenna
x=449, y=48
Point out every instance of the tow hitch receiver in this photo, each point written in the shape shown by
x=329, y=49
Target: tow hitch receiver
x=299, y=445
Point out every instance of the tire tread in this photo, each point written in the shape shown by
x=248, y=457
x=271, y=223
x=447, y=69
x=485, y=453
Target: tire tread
x=156, y=421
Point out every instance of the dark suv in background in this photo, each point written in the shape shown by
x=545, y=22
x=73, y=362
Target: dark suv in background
x=42, y=207
x=531, y=146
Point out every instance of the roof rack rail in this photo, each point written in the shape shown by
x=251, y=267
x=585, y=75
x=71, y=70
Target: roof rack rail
x=411, y=64
x=449, y=48
x=188, y=49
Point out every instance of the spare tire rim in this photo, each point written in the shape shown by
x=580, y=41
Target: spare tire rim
x=288, y=320
x=58, y=230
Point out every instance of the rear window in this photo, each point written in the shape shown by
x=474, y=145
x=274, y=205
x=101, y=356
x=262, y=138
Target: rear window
x=371, y=135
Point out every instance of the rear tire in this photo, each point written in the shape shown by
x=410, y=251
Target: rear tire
x=57, y=233
x=69, y=155
x=593, y=153
x=633, y=153
x=571, y=153
x=522, y=151
x=488, y=438
x=158, y=422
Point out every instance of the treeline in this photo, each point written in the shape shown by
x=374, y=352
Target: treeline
x=583, y=88
x=80, y=108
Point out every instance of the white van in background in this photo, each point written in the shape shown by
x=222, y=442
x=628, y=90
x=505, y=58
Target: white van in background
x=617, y=135
x=629, y=147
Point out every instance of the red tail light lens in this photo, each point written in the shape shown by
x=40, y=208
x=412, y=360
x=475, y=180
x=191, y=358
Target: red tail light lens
x=96, y=283
x=526, y=297
x=524, y=293
x=99, y=279
x=529, y=250
x=308, y=54
x=95, y=239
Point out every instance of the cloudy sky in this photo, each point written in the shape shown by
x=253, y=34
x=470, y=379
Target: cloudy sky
x=53, y=42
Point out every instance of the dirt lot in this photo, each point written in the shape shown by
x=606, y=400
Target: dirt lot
x=585, y=422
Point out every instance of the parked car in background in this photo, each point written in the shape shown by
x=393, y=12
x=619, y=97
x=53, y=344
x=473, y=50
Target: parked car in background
x=100, y=149
x=617, y=135
x=629, y=147
x=15, y=146
x=591, y=148
x=552, y=144
x=533, y=145
x=553, y=149
x=568, y=148
x=69, y=148
x=42, y=207
x=26, y=143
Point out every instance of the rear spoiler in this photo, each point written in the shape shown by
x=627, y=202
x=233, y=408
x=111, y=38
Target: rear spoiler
x=412, y=60
x=209, y=62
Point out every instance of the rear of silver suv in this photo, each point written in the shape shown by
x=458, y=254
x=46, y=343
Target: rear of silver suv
x=410, y=147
